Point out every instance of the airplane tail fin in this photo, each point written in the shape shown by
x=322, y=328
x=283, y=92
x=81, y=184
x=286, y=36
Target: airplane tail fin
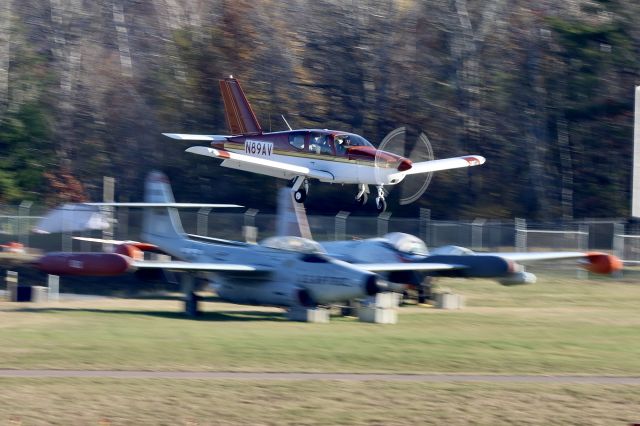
x=240, y=117
x=160, y=223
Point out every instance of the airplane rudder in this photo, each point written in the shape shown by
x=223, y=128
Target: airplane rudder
x=238, y=112
x=158, y=189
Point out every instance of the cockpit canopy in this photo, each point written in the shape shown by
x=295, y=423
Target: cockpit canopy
x=351, y=139
x=407, y=243
x=297, y=244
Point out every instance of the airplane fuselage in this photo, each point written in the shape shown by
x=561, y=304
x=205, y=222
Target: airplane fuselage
x=345, y=157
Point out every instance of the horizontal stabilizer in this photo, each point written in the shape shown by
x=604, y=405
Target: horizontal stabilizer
x=286, y=170
x=445, y=164
x=189, y=137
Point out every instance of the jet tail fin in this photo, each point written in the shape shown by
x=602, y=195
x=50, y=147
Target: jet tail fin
x=162, y=222
x=240, y=117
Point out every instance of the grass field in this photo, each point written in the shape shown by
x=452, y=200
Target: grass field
x=197, y=402
x=558, y=326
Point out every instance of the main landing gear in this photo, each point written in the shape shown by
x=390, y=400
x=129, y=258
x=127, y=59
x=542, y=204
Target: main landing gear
x=363, y=195
x=300, y=189
x=381, y=203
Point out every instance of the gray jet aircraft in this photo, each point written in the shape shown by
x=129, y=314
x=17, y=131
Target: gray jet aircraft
x=281, y=271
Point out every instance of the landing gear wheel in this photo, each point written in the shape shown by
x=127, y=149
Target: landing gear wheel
x=300, y=195
x=362, y=200
x=381, y=205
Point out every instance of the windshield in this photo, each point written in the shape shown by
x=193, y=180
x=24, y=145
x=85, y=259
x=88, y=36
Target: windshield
x=344, y=141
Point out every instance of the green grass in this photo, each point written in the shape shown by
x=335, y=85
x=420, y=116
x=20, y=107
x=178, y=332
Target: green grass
x=198, y=402
x=558, y=326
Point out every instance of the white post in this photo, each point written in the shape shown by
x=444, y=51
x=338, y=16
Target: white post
x=108, y=190
x=635, y=192
x=53, y=282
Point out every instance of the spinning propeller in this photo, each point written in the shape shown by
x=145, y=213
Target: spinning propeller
x=412, y=186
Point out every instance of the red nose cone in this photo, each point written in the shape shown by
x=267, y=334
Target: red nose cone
x=404, y=165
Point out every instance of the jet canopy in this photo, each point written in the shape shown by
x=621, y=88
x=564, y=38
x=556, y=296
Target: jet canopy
x=297, y=244
x=407, y=243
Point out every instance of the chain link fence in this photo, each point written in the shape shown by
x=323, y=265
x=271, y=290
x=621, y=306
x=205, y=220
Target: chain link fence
x=480, y=234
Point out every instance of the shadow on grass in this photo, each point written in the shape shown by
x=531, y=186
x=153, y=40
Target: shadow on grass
x=217, y=316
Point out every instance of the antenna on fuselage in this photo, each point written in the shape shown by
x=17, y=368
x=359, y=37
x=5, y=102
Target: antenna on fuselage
x=285, y=121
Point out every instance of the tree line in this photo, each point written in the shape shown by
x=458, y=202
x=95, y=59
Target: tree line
x=543, y=90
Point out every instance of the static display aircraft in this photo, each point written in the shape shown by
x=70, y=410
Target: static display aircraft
x=507, y=268
x=282, y=271
x=299, y=155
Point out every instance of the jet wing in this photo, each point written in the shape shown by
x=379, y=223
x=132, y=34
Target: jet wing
x=445, y=164
x=390, y=267
x=596, y=262
x=260, y=165
x=188, y=137
x=207, y=267
x=526, y=257
x=172, y=205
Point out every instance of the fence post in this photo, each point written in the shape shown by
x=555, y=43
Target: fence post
x=67, y=235
x=583, y=245
x=249, y=229
x=23, y=214
x=53, y=284
x=12, y=285
x=618, y=240
x=521, y=234
x=618, y=244
x=108, y=186
x=203, y=221
x=425, y=225
x=340, y=231
x=383, y=223
x=477, y=228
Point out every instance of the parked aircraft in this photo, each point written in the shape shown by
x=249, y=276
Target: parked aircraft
x=507, y=268
x=282, y=271
x=300, y=155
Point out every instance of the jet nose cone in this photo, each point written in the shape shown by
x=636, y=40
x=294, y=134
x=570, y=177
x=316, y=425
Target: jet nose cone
x=405, y=164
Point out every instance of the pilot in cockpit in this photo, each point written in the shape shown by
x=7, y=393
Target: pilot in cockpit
x=342, y=143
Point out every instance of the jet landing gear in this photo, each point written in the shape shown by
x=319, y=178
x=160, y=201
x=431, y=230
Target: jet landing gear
x=300, y=189
x=381, y=203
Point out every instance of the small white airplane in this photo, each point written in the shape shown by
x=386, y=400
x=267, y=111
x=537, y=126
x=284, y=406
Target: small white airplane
x=281, y=271
x=300, y=155
x=507, y=268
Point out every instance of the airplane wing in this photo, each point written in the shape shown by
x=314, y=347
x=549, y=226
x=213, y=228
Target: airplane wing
x=391, y=267
x=191, y=266
x=445, y=164
x=260, y=165
x=174, y=205
x=188, y=137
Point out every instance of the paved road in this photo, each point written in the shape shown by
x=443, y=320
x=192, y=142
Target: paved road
x=350, y=377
